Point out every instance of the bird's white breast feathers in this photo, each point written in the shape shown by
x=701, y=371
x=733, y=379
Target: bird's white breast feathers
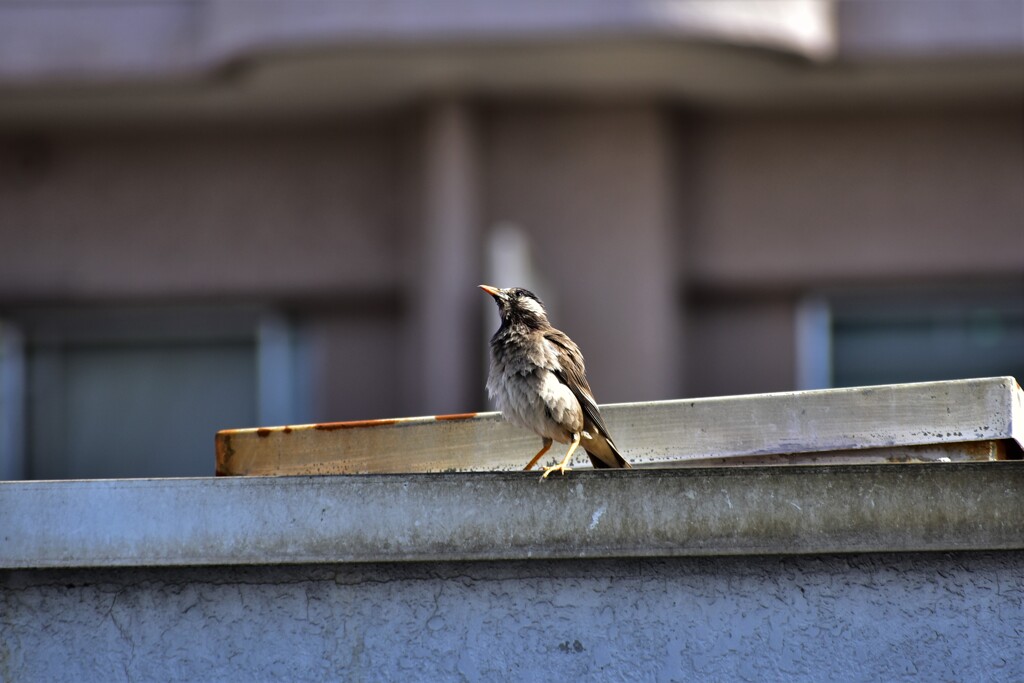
x=538, y=401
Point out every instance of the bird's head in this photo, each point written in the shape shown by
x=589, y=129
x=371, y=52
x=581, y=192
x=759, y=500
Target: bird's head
x=518, y=305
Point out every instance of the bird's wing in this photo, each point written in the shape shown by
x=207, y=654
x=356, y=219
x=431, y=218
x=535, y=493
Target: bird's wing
x=572, y=373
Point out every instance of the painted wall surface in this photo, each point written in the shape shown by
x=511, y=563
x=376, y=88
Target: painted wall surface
x=931, y=617
x=788, y=200
x=216, y=212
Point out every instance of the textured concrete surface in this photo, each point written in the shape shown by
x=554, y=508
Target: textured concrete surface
x=512, y=515
x=927, y=617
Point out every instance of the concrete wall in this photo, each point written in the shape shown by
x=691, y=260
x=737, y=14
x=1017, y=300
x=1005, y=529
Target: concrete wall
x=941, y=616
x=720, y=573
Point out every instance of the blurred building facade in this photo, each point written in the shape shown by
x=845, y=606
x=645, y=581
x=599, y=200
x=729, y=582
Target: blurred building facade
x=220, y=214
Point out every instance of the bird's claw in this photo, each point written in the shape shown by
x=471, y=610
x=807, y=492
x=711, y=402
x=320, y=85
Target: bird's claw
x=561, y=469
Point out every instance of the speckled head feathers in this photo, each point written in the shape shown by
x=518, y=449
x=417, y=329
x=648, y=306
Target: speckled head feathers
x=518, y=306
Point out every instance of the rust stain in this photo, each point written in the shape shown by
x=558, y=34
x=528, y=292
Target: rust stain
x=224, y=454
x=455, y=416
x=263, y=432
x=287, y=430
x=355, y=424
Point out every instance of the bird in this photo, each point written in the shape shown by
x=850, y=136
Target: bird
x=538, y=380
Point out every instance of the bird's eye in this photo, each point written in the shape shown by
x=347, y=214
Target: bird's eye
x=526, y=295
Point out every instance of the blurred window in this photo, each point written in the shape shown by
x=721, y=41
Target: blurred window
x=910, y=336
x=138, y=393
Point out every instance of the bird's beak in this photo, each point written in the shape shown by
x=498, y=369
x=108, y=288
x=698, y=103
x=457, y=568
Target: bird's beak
x=493, y=291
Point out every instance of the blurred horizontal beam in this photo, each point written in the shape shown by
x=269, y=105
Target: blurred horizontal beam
x=219, y=60
x=900, y=422
x=178, y=39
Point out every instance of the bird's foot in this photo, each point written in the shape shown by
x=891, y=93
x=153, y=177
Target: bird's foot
x=544, y=449
x=561, y=468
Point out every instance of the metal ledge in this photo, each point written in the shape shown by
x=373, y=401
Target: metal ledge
x=508, y=516
x=894, y=422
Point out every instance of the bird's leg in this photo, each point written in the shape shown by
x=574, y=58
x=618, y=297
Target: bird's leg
x=563, y=466
x=540, y=454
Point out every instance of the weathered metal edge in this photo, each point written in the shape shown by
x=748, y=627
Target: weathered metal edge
x=652, y=433
x=512, y=516
x=1017, y=414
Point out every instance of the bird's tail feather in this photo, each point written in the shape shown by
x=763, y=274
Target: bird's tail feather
x=610, y=460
